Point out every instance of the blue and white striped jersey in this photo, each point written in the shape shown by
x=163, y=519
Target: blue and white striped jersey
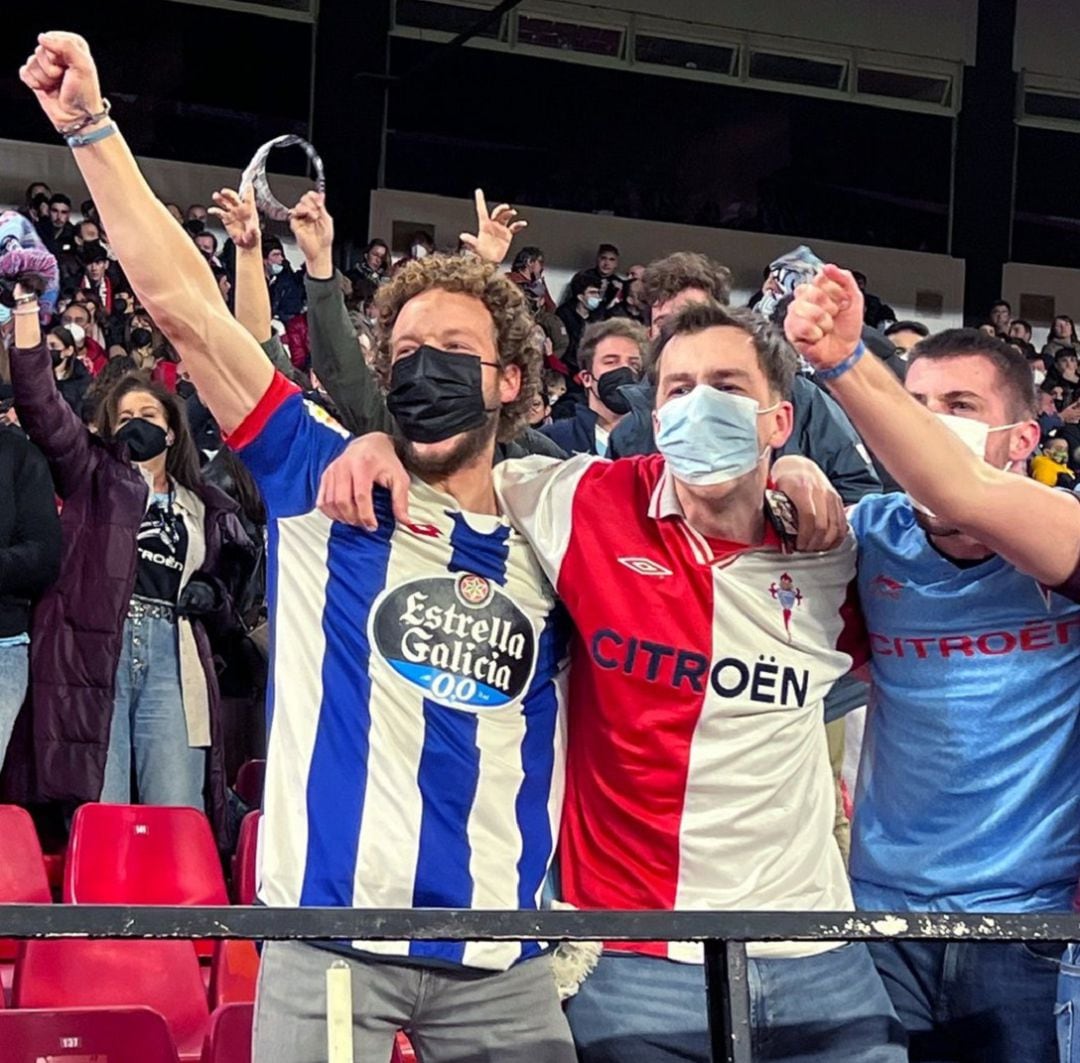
x=416, y=702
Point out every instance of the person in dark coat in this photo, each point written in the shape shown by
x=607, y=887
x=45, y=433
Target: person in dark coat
x=120, y=658
x=72, y=377
x=29, y=562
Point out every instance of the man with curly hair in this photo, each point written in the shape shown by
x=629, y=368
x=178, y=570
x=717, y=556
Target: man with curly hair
x=417, y=691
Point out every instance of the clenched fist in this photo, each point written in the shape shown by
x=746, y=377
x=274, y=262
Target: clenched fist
x=62, y=74
x=825, y=319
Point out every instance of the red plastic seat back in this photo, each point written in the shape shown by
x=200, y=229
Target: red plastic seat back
x=234, y=973
x=249, y=782
x=23, y=879
x=245, y=860
x=403, y=1050
x=104, y=1035
x=229, y=1038
x=142, y=854
x=163, y=975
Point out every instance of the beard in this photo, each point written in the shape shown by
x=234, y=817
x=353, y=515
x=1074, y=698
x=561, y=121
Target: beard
x=467, y=447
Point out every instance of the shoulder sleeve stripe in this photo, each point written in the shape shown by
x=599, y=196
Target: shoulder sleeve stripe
x=248, y=429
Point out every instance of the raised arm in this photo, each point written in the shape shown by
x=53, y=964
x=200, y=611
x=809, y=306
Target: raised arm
x=240, y=217
x=171, y=278
x=1012, y=515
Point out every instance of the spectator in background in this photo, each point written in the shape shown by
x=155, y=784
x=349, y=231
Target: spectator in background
x=56, y=231
x=286, y=286
x=905, y=334
x=1000, y=316
x=145, y=539
x=29, y=562
x=582, y=307
x=72, y=376
x=612, y=286
x=95, y=275
x=207, y=243
x=34, y=191
x=176, y=212
x=90, y=301
x=1019, y=329
x=635, y=306
x=528, y=274
x=1065, y=374
x=88, y=351
x=374, y=264
x=1050, y=403
x=1062, y=334
x=1051, y=467
x=1069, y=430
x=197, y=212
x=611, y=356
x=421, y=245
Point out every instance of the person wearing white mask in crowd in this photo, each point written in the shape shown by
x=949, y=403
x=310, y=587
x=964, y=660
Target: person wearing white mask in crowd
x=968, y=798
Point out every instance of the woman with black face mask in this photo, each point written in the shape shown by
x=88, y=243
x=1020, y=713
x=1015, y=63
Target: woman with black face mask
x=72, y=377
x=125, y=696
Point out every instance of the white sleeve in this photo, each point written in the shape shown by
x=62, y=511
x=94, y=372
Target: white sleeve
x=537, y=496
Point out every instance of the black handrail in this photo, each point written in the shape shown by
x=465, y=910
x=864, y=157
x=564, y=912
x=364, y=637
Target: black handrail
x=723, y=934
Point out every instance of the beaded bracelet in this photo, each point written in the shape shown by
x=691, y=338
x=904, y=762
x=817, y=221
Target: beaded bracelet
x=72, y=128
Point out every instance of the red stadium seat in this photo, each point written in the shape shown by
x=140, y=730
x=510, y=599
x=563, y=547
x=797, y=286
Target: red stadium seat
x=163, y=975
x=233, y=973
x=104, y=1035
x=243, y=861
x=249, y=782
x=229, y=1037
x=403, y=1051
x=23, y=879
x=143, y=854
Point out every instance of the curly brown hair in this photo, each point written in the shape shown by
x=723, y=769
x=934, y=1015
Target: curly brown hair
x=666, y=277
x=515, y=342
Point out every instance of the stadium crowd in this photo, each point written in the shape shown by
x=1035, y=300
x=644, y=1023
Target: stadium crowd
x=575, y=594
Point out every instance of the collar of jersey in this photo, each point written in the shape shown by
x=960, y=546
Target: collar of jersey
x=664, y=505
x=427, y=495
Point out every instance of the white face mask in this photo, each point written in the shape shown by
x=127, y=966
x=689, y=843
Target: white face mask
x=419, y=251
x=973, y=434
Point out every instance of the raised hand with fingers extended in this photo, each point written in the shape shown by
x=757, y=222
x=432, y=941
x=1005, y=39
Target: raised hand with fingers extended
x=494, y=231
x=239, y=216
x=825, y=319
x=63, y=77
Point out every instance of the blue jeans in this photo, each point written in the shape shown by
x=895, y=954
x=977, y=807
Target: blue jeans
x=14, y=669
x=148, y=722
x=829, y=1008
x=1068, y=1006
x=983, y=1002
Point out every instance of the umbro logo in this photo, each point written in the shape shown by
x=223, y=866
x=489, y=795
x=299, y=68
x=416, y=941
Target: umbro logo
x=644, y=567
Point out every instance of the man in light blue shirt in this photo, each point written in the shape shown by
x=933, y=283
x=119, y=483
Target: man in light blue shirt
x=969, y=794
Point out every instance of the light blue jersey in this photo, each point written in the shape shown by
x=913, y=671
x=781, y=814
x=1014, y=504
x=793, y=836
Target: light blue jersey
x=415, y=754
x=969, y=786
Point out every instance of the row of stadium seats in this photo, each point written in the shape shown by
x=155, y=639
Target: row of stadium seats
x=129, y=854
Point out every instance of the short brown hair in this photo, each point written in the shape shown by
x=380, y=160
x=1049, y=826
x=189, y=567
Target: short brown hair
x=599, y=331
x=666, y=277
x=515, y=342
x=1012, y=366
x=775, y=357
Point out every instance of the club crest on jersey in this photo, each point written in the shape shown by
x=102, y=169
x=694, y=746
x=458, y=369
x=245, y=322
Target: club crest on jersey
x=318, y=413
x=789, y=596
x=458, y=638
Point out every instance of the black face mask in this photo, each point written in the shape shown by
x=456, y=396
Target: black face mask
x=57, y=358
x=141, y=337
x=607, y=387
x=185, y=389
x=144, y=439
x=435, y=394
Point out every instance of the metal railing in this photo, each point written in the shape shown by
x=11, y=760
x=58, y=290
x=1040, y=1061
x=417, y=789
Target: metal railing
x=723, y=934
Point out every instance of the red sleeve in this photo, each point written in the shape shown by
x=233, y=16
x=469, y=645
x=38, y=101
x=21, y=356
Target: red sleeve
x=250, y=427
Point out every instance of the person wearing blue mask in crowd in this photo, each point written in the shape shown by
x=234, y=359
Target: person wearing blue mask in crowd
x=582, y=307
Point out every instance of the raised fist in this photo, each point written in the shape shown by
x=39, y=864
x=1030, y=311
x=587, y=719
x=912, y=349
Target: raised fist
x=825, y=319
x=62, y=74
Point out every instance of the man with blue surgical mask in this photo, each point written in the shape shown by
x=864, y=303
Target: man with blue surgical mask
x=968, y=797
x=582, y=306
x=697, y=749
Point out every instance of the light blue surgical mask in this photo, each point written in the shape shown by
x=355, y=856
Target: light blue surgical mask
x=592, y=302
x=5, y=314
x=709, y=436
x=276, y=268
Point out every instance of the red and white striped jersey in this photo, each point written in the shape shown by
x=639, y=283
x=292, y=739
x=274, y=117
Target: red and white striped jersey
x=698, y=773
